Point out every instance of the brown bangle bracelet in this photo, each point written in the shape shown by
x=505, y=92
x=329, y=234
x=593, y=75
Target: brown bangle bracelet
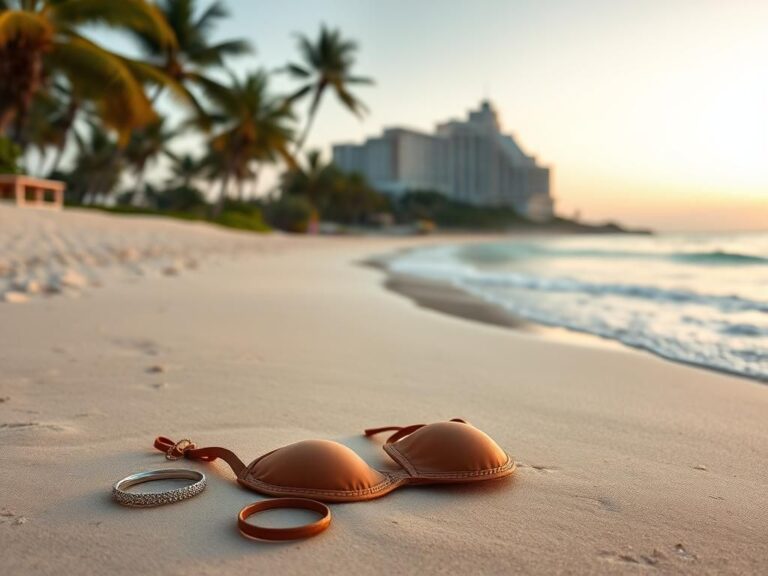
x=264, y=533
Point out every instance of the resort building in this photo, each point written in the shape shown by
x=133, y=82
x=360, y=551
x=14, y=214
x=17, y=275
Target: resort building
x=471, y=161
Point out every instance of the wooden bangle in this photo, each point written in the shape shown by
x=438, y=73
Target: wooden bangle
x=293, y=533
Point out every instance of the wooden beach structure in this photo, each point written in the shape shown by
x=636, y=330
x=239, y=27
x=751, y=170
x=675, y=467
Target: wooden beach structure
x=30, y=191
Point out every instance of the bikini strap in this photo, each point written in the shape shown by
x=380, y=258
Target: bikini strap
x=401, y=431
x=187, y=449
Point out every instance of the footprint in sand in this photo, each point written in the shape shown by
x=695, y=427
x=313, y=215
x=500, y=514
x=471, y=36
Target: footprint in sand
x=652, y=559
x=10, y=517
x=12, y=425
x=173, y=269
x=90, y=414
x=31, y=426
x=142, y=345
x=608, y=504
x=604, y=502
x=539, y=467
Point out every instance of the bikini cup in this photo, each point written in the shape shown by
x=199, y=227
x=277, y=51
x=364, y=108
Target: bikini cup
x=444, y=452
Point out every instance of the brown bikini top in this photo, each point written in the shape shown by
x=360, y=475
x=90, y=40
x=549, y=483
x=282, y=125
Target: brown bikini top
x=444, y=452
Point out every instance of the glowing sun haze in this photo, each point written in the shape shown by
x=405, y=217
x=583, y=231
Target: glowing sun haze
x=651, y=112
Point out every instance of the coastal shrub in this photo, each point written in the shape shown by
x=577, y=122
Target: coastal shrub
x=252, y=220
x=10, y=154
x=352, y=201
x=336, y=196
x=427, y=205
x=181, y=199
x=290, y=214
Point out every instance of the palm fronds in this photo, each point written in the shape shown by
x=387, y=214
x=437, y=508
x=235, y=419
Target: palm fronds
x=326, y=62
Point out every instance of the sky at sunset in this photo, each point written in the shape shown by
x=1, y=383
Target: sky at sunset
x=650, y=112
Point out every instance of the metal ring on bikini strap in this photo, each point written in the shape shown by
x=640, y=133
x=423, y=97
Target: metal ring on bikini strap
x=294, y=533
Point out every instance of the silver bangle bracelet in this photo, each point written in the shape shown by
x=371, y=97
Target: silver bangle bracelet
x=143, y=500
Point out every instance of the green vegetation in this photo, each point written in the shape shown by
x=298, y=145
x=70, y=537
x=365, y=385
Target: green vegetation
x=9, y=157
x=73, y=109
x=243, y=217
x=291, y=213
x=337, y=196
x=42, y=46
x=420, y=206
x=425, y=209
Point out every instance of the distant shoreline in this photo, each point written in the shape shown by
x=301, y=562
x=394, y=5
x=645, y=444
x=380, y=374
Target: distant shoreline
x=559, y=225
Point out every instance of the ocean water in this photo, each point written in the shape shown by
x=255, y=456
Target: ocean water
x=699, y=299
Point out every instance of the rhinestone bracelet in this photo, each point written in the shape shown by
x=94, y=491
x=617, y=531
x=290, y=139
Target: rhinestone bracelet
x=143, y=500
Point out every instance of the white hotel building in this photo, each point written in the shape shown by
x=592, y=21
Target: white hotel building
x=470, y=161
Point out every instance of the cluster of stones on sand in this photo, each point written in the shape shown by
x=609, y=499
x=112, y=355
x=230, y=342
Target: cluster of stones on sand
x=21, y=285
x=22, y=288
x=45, y=253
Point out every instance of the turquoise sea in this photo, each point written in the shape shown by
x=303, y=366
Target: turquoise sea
x=695, y=298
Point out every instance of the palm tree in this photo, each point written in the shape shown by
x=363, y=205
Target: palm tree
x=184, y=169
x=187, y=61
x=326, y=63
x=145, y=147
x=50, y=121
x=312, y=178
x=40, y=39
x=68, y=106
x=254, y=127
x=337, y=196
x=94, y=171
x=43, y=122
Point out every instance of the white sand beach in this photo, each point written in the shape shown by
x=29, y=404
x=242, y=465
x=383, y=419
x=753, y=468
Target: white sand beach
x=626, y=463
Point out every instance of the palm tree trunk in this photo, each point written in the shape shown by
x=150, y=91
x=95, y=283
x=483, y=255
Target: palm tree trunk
x=69, y=120
x=25, y=96
x=218, y=207
x=139, y=198
x=6, y=119
x=310, y=118
x=157, y=94
x=112, y=164
x=232, y=162
x=255, y=181
x=18, y=134
x=92, y=189
x=43, y=161
x=303, y=139
x=57, y=159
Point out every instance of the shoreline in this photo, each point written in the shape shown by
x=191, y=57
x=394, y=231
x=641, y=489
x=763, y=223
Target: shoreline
x=444, y=297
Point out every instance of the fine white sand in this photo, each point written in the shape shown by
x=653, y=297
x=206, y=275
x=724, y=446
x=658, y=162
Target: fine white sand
x=627, y=463
x=50, y=252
